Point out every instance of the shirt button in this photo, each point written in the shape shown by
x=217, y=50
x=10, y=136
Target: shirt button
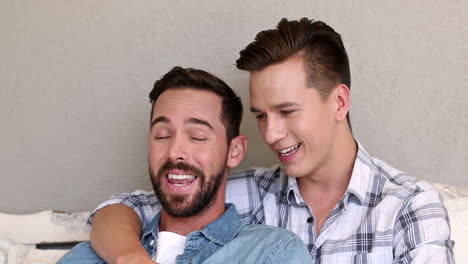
x=310, y=220
x=151, y=243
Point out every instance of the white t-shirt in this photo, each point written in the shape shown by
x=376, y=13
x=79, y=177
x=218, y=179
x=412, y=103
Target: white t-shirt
x=169, y=246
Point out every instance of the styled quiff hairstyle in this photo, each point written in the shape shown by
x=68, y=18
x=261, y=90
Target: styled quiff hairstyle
x=178, y=77
x=326, y=61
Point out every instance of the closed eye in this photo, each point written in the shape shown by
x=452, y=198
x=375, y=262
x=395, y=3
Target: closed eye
x=287, y=112
x=161, y=137
x=260, y=116
x=198, y=139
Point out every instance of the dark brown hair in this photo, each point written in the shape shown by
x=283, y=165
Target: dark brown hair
x=326, y=60
x=179, y=77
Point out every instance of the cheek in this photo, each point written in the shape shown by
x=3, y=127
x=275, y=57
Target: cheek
x=201, y=155
x=156, y=154
x=205, y=164
x=306, y=128
x=302, y=125
x=318, y=130
x=210, y=159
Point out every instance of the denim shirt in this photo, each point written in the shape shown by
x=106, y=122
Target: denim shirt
x=225, y=240
x=200, y=244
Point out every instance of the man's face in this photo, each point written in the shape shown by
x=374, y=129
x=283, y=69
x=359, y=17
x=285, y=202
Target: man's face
x=294, y=121
x=187, y=150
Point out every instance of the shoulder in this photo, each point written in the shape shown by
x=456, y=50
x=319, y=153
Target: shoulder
x=386, y=180
x=421, y=224
x=264, y=235
x=252, y=180
x=408, y=208
x=248, y=189
x=137, y=199
x=415, y=203
x=263, y=244
x=267, y=244
x=254, y=173
x=144, y=203
x=403, y=186
x=392, y=193
x=253, y=184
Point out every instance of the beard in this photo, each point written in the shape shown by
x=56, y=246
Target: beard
x=187, y=205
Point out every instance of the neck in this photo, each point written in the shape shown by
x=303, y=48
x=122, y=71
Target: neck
x=333, y=177
x=185, y=225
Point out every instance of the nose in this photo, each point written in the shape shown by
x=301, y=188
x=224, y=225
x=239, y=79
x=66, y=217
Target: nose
x=274, y=131
x=178, y=149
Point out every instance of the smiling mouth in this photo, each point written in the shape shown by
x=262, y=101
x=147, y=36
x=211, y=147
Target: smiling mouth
x=181, y=179
x=289, y=151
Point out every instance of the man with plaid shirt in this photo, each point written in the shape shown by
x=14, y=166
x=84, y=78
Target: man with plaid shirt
x=347, y=206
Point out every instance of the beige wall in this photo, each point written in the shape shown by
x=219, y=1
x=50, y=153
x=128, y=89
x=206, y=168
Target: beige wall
x=75, y=75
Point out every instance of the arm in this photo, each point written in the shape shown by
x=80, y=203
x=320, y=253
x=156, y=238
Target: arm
x=116, y=226
x=422, y=231
x=115, y=235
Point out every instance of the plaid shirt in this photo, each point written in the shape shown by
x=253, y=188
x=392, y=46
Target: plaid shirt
x=385, y=216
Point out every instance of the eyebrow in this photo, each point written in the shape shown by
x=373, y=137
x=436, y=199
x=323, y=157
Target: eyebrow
x=278, y=106
x=198, y=121
x=193, y=120
x=161, y=119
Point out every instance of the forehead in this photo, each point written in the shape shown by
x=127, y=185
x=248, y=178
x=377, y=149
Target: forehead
x=279, y=83
x=183, y=103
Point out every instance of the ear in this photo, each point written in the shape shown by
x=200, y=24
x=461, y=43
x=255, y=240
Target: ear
x=343, y=101
x=237, y=151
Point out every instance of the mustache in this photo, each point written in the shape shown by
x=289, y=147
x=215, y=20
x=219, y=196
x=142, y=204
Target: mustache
x=169, y=165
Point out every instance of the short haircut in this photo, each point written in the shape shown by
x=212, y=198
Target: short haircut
x=178, y=77
x=326, y=60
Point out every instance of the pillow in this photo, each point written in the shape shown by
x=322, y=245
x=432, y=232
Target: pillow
x=456, y=202
x=28, y=254
x=19, y=235
x=44, y=227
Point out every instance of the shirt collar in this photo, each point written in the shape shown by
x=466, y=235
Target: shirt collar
x=152, y=228
x=225, y=228
x=292, y=189
x=361, y=176
x=220, y=231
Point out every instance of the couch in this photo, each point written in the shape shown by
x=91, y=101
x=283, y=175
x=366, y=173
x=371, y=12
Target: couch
x=41, y=238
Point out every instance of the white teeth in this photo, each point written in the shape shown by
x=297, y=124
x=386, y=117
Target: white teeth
x=180, y=177
x=288, y=151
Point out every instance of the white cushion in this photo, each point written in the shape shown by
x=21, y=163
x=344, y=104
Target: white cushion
x=19, y=235
x=28, y=254
x=456, y=202
x=47, y=226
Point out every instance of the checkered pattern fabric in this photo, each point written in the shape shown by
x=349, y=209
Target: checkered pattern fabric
x=385, y=216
